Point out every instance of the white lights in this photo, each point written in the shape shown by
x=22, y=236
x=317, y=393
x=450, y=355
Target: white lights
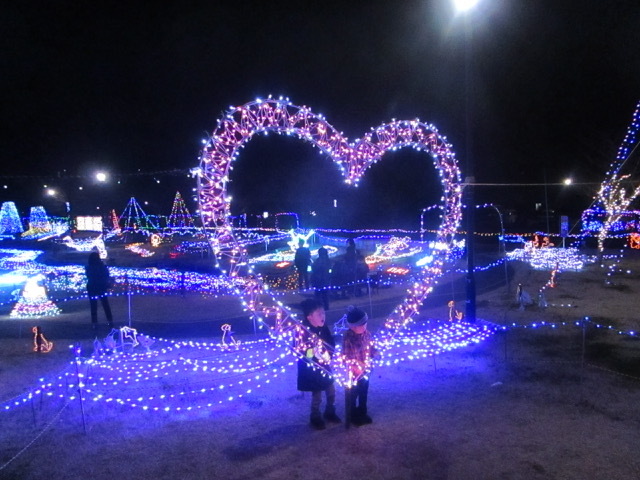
x=101, y=177
x=464, y=5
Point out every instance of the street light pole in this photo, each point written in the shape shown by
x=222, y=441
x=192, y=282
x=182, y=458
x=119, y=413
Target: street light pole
x=546, y=202
x=470, y=178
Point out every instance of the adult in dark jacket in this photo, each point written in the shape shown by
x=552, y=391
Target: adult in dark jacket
x=320, y=276
x=316, y=346
x=302, y=261
x=98, y=284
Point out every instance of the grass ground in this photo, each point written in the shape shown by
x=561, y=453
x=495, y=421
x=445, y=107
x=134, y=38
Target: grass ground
x=532, y=403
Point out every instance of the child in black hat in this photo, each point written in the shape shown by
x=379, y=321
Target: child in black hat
x=314, y=368
x=359, y=351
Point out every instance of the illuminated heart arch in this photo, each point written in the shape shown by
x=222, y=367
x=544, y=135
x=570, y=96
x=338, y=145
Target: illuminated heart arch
x=241, y=123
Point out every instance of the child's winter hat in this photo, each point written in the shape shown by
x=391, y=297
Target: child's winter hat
x=356, y=317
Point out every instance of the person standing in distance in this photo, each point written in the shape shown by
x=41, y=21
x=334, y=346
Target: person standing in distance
x=302, y=261
x=98, y=284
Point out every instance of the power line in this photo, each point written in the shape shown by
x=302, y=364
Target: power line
x=464, y=184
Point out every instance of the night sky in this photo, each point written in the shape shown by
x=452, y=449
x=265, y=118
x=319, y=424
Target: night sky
x=133, y=88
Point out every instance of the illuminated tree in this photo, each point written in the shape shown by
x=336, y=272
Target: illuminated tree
x=613, y=197
x=39, y=223
x=10, y=219
x=34, y=301
x=180, y=218
x=615, y=201
x=135, y=219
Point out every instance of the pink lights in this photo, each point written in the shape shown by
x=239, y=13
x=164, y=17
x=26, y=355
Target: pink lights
x=353, y=159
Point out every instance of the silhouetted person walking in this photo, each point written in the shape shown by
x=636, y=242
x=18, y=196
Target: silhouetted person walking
x=98, y=283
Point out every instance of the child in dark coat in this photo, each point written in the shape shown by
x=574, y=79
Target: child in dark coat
x=316, y=350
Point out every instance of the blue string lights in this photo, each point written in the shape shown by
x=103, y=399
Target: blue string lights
x=186, y=376
x=191, y=376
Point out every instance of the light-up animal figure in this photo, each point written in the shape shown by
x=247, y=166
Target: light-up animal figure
x=110, y=342
x=97, y=348
x=226, y=332
x=131, y=334
x=145, y=341
x=155, y=240
x=87, y=245
x=396, y=247
x=40, y=343
x=296, y=237
x=453, y=313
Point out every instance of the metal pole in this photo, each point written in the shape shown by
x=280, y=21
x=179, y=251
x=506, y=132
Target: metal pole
x=80, y=385
x=470, y=278
x=470, y=179
x=506, y=332
x=501, y=245
x=33, y=411
x=584, y=347
x=502, y=248
x=546, y=202
x=126, y=277
x=370, y=301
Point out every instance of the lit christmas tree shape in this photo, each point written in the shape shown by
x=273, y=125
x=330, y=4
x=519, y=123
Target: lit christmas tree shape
x=39, y=224
x=353, y=159
x=10, y=223
x=34, y=301
x=134, y=218
x=180, y=219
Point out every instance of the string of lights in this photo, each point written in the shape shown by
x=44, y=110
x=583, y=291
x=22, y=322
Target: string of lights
x=219, y=376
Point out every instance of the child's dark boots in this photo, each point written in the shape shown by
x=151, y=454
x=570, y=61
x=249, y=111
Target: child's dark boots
x=359, y=417
x=330, y=414
x=317, y=422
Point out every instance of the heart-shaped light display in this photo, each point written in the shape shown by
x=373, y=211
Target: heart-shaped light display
x=281, y=116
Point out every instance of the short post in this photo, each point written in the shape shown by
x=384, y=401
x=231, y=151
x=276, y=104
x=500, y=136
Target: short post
x=347, y=408
x=33, y=412
x=128, y=297
x=80, y=385
x=506, y=332
x=584, y=346
x=370, y=300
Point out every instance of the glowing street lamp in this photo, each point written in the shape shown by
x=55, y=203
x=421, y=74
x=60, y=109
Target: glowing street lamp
x=568, y=181
x=464, y=5
x=101, y=177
